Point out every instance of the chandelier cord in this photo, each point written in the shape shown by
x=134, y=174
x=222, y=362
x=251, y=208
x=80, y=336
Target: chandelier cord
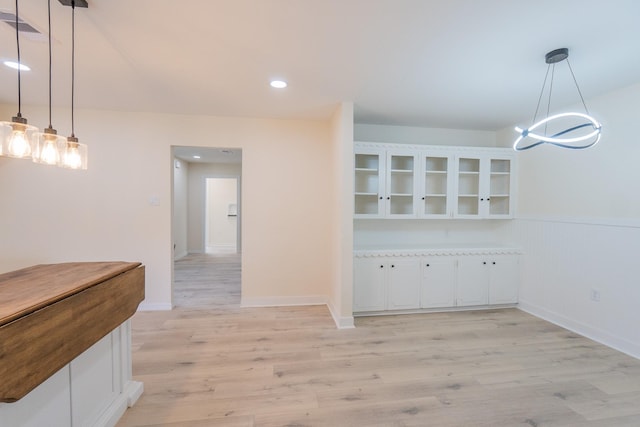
x=584, y=104
x=535, y=115
x=553, y=72
x=19, y=63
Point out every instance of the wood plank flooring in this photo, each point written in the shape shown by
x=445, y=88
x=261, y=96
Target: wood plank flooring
x=210, y=363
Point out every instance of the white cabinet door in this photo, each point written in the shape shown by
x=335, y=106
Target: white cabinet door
x=503, y=279
x=436, y=189
x=484, y=185
x=369, y=183
x=403, y=288
x=438, y=282
x=369, y=284
x=473, y=281
x=401, y=184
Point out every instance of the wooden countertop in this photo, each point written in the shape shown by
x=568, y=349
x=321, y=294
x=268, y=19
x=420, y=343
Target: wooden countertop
x=30, y=289
x=52, y=313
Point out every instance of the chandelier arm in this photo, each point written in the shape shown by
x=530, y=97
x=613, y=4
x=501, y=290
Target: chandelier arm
x=584, y=104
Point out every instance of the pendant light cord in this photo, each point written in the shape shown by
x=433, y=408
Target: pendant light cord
x=19, y=63
x=73, y=63
x=49, y=12
x=544, y=84
x=577, y=87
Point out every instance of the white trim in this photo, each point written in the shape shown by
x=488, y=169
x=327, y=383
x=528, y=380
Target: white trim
x=606, y=222
x=180, y=255
x=598, y=335
x=283, y=301
x=363, y=253
x=342, y=322
x=155, y=306
x=133, y=391
x=117, y=408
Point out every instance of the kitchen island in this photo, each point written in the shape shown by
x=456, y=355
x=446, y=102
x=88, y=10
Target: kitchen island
x=65, y=343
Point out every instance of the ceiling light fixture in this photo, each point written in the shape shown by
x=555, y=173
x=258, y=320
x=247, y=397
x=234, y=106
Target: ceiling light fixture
x=278, y=84
x=48, y=144
x=585, y=129
x=74, y=154
x=196, y=157
x=17, y=135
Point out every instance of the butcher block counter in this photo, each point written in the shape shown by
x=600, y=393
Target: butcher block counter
x=65, y=338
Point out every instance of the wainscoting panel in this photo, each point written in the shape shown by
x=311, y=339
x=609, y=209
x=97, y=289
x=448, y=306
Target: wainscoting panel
x=583, y=275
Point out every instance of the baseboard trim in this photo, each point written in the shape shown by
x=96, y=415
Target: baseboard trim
x=587, y=331
x=283, y=301
x=155, y=306
x=342, y=322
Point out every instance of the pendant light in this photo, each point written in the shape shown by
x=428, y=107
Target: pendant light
x=74, y=154
x=17, y=135
x=48, y=143
x=577, y=130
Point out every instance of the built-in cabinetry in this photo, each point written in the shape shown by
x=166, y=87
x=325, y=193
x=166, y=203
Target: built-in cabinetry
x=401, y=181
x=387, y=280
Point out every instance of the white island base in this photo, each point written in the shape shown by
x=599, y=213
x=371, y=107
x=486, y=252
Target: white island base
x=93, y=390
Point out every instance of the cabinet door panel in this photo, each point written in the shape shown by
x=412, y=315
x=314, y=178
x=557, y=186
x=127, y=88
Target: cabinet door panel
x=369, y=183
x=369, y=284
x=438, y=282
x=473, y=281
x=504, y=279
x=404, y=283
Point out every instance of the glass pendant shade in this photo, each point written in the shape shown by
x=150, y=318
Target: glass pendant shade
x=74, y=154
x=17, y=138
x=48, y=147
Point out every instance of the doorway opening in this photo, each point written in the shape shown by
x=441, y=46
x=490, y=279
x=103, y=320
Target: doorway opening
x=206, y=226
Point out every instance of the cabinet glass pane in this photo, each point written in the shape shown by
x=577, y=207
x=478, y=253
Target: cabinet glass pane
x=435, y=183
x=368, y=161
x=500, y=165
x=436, y=164
x=499, y=205
x=469, y=165
x=366, y=204
x=366, y=182
x=434, y=205
x=401, y=183
x=499, y=184
x=401, y=205
x=404, y=163
x=467, y=205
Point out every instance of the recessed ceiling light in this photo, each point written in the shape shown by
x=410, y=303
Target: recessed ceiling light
x=16, y=65
x=278, y=84
x=196, y=157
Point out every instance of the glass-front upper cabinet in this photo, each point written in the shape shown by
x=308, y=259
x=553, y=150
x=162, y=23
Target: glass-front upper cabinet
x=436, y=185
x=484, y=186
x=369, y=183
x=401, y=185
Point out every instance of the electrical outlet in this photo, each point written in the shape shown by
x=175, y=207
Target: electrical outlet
x=595, y=295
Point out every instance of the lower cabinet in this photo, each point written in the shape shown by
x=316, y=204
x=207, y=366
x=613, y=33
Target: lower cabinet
x=386, y=283
x=442, y=281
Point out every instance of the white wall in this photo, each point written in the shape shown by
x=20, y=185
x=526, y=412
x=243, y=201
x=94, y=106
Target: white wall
x=222, y=227
x=54, y=215
x=579, y=226
x=341, y=180
x=198, y=174
x=180, y=186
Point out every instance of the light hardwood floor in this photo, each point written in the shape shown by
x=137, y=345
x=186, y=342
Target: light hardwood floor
x=211, y=363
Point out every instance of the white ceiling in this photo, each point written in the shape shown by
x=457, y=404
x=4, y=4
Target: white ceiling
x=469, y=64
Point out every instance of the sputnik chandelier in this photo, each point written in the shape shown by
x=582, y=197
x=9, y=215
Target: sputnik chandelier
x=571, y=130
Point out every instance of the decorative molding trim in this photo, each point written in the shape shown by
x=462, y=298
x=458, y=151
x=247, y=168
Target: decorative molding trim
x=604, y=222
x=133, y=390
x=435, y=252
x=448, y=149
x=283, y=301
x=602, y=337
x=433, y=310
x=340, y=321
x=155, y=306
